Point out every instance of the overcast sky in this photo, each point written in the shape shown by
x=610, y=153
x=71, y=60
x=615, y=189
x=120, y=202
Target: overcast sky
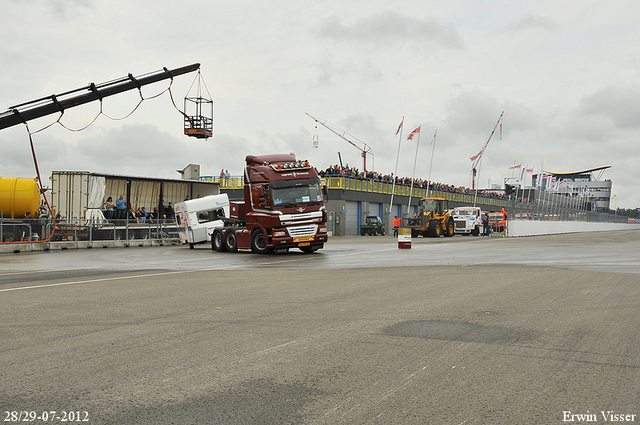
x=565, y=73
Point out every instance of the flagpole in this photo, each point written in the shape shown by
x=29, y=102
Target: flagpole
x=415, y=160
x=395, y=174
x=475, y=194
x=431, y=163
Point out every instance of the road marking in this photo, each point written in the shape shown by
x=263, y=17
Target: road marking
x=106, y=279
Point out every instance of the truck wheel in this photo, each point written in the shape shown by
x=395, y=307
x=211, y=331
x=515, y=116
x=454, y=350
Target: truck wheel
x=217, y=241
x=231, y=240
x=450, y=229
x=259, y=242
x=435, y=229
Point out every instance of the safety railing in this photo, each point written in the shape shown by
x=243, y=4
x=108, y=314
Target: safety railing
x=12, y=230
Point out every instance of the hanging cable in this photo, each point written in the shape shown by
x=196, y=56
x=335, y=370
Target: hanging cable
x=58, y=121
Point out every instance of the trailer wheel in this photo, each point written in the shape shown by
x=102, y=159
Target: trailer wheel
x=217, y=241
x=231, y=240
x=259, y=242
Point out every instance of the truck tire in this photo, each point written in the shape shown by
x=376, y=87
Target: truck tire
x=217, y=241
x=435, y=229
x=450, y=228
x=230, y=240
x=259, y=242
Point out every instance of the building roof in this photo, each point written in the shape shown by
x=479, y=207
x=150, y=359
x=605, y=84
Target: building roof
x=572, y=173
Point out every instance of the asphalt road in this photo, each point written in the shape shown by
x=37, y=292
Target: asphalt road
x=460, y=330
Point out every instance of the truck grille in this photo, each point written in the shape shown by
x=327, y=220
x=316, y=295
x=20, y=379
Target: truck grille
x=306, y=230
x=462, y=224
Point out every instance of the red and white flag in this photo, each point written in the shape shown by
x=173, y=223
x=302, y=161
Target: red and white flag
x=516, y=166
x=400, y=126
x=413, y=133
x=474, y=157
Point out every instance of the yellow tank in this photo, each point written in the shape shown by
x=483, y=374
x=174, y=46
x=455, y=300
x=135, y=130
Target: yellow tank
x=17, y=196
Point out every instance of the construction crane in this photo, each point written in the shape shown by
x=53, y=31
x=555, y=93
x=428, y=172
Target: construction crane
x=476, y=159
x=59, y=103
x=364, y=150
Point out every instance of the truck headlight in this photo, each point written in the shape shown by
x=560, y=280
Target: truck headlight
x=279, y=233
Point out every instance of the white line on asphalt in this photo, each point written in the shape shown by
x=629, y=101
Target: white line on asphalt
x=106, y=279
x=47, y=271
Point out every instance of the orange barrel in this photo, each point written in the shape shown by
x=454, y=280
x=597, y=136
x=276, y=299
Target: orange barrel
x=404, y=238
x=17, y=196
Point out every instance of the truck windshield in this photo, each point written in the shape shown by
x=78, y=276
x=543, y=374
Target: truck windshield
x=464, y=212
x=296, y=192
x=429, y=205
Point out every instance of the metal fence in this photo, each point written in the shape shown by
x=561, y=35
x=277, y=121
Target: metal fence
x=17, y=230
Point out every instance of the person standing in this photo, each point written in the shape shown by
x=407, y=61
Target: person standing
x=486, y=229
x=121, y=205
x=396, y=225
x=169, y=212
x=26, y=227
x=110, y=206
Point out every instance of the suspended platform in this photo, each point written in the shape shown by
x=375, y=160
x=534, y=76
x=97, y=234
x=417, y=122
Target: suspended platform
x=198, y=112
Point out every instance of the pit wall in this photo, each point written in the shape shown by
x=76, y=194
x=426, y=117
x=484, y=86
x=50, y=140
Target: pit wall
x=517, y=228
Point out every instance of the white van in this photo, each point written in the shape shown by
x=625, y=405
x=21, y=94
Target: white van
x=197, y=218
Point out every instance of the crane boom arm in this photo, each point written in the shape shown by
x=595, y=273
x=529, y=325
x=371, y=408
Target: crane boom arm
x=365, y=150
x=477, y=160
x=58, y=103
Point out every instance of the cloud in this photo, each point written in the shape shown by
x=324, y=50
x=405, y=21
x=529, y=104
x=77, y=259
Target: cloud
x=619, y=102
x=389, y=28
x=529, y=21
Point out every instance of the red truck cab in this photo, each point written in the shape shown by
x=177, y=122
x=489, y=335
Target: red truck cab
x=283, y=208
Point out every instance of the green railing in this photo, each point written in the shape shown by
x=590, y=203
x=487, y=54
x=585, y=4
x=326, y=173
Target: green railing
x=358, y=185
x=350, y=183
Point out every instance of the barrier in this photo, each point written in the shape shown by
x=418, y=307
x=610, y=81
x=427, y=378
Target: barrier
x=404, y=238
x=517, y=228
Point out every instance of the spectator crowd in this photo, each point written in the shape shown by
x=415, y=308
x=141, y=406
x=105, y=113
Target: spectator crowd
x=353, y=172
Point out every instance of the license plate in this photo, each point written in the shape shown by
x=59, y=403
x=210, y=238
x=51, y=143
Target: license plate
x=303, y=238
x=304, y=244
